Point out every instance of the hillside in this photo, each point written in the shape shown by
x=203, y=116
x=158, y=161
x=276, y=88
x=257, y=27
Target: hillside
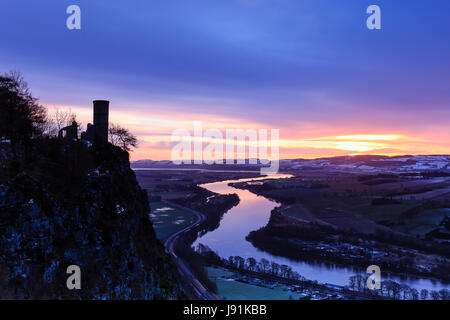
x=68, y=203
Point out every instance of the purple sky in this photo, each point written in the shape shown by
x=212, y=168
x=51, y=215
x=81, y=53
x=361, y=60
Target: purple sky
x=310, y=68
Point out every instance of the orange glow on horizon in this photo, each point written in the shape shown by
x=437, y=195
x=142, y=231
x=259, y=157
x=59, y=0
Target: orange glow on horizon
x=154, y=133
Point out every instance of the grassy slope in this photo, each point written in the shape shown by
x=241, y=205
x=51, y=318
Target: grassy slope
x=167, y=220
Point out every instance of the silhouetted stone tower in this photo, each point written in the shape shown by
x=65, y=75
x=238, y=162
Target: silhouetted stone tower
x=101, y=115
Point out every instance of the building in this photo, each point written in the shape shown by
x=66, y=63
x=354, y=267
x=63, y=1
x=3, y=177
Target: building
x=98, y=132
x=69, y=132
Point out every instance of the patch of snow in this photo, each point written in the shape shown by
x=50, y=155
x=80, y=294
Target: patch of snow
x=119, y=209
x=164, y=209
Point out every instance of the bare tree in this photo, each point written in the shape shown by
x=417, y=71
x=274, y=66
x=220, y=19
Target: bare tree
x=121, y=137
x=424, y=294
x=352, y=282
x=386, y=287
x=289, y=272
x=265, y=265
x=63, y=118
x=396, y=290
x=360, y=282
x=414, y=294
x=283, y=270
x=231, y=261
x=251, y=263
x=240, y=262
x=275, y=268
x=406, y=291
x=444, y=294
x=434, y=295
x=58, y=119
x=47, y=127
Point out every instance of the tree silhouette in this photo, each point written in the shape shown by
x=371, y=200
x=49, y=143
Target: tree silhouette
x=424, y=294
x=444, y=294
x=121, y=137
x=251, y=263
x=434, y=295
x=21, y=117
x=414, y=294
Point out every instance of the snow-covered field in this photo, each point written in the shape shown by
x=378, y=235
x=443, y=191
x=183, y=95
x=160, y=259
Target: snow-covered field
x=362, y=164
x=403, y=164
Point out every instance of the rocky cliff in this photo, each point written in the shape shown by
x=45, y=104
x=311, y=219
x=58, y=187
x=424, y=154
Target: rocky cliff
x=74, y=204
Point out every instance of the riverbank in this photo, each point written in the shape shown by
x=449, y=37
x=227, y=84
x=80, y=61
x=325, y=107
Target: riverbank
x=253, y=213
x=235, y=286
x=296, y=240
x=181, y=211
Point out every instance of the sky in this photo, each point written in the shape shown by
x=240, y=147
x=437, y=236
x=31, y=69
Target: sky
x=311, y=69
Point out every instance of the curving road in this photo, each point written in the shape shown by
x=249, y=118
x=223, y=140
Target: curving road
x=200, y=291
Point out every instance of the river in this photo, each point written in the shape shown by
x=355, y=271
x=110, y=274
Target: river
x=252, y=213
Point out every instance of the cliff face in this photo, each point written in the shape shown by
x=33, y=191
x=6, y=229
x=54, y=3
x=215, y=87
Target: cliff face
x=74, y=205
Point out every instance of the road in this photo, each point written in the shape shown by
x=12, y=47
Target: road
x=200, y=291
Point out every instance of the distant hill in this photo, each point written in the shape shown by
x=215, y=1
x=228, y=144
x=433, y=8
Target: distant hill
x=362, y=163
x=373, y=163
x=170, y=164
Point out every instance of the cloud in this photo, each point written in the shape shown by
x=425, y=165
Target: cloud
x=309, y=68
x=161, y=145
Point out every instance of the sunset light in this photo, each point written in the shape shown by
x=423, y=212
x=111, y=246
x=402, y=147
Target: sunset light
x=237, y=151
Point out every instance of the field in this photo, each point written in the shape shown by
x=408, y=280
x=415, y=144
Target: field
x=425, y=222
x=409, y=206
x=167, y=220
x=235, y=290
x=391, y=215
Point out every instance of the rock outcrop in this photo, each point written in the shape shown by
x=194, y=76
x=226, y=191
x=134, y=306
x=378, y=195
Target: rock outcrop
x=75, y=204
